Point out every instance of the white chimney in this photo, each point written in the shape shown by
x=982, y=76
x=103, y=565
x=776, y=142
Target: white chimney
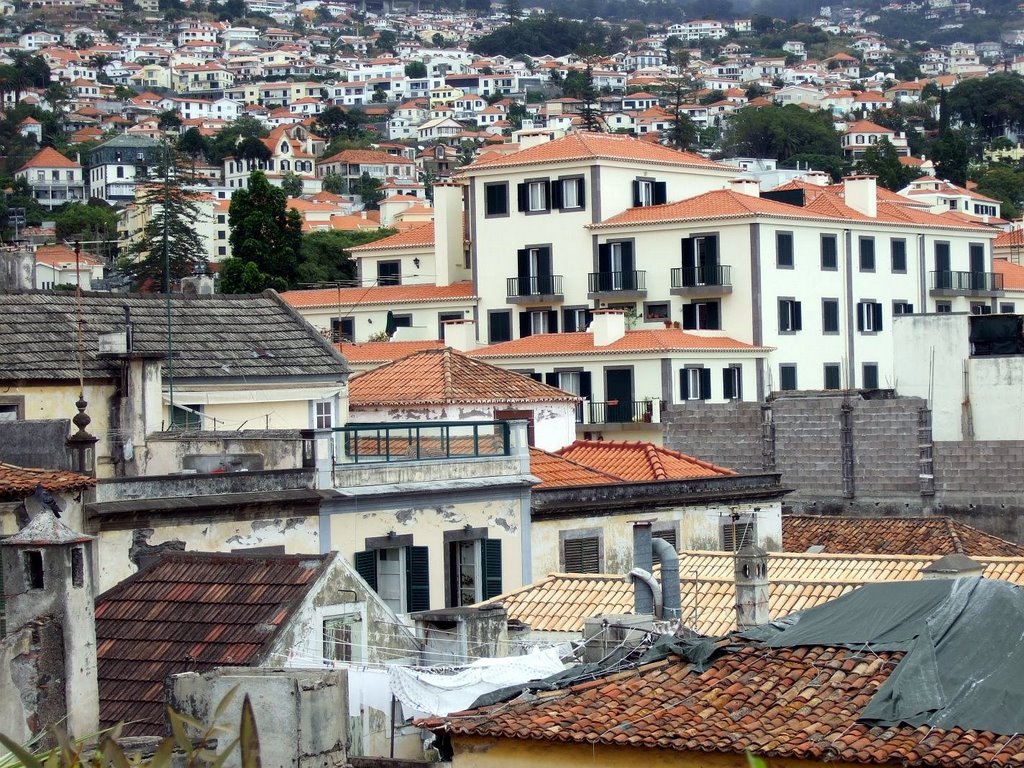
x=817, y=178
x=460, y=335
x=449, y=253
x=861, y=194
x=608, y=326
x=745, y=185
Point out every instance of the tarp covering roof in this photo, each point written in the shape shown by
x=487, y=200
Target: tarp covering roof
x=963, y=640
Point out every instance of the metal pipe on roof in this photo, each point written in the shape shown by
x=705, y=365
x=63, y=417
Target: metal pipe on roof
x=643, y=594
x=670, y=600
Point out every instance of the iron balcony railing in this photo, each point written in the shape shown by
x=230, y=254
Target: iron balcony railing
x=365, y=443
x=693, y=277
x=620, y=411
x=966, y=282
x=534, y=285
x=610, y=282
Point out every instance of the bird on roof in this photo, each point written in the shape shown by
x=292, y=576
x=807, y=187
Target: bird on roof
x=45, y=500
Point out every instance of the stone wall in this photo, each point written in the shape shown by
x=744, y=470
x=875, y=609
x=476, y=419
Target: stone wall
x=727, y=434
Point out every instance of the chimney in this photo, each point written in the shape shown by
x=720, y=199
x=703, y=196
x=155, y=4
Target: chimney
x=817, y=178
x=460, y=335
x=608, y=326
x=955, y=566
x=751, y=576
x=449, y=239
x=861, y=194
x=650, y=597
x=643, y=560
x=745, y=185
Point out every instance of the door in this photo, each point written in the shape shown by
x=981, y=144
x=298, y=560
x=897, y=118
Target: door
x=618, y=389
x=943, y=276
x=977, y=267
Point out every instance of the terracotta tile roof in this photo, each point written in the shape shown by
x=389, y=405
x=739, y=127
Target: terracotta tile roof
x=18, y=482
x=445, y=376
x=561, y=602
x=419, y=236
x=892, y=536
x=384, y=351
x=1013, y=274
x=1012, y=239
x=62, y=254
x=592, y=146
x=582, y=343
x=365, y=157
x=48, y=157
x=190, y=612
x=639, y=461
x=866, y=126
x=785, y=703
x=557, y=471
x=379, y=295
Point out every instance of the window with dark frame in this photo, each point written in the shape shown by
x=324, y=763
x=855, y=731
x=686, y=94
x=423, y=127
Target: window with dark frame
x=790, y=319
x=568, y=194
x=33, y=565
x=389, y=272
x=829, y=252
x=787, y=377
x=702, y=315
x=867, y=254
x=647, y=192
x=902, y=308
x=732, y=382
x=656, y=311
x=343, y=329
x=77, y=567
x=869, y=375
x=833, y=376
x=830, y=315
x=869, y=316
x=582, y=555
x=499, y=326
x=898, y=250
x=496, y=199
x=736, y=534
x=694, y=383
x=784, y=249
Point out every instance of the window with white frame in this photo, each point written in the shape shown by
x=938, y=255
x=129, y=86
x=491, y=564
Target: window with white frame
x=538, y=195
x=343, y=637
x=324, y=414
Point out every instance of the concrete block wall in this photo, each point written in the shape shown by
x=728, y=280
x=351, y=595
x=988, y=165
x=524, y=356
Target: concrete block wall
x=885, y=448
x=807, y=445
x=726, y=434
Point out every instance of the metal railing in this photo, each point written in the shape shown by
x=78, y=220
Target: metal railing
x=610, y=282
x=967, y=282
x=534, y=285
x=366, y=443
x=693, y=277
x=620, y=411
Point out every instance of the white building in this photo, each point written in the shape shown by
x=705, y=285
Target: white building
x=54, y=179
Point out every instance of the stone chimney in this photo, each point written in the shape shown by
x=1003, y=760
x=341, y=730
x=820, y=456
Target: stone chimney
x=449, y=238
x=608, y=326
x=861, y=194
x=460, y=335
x=955, y=566
x=51, y=624
x=745, y=185
x=751, y=576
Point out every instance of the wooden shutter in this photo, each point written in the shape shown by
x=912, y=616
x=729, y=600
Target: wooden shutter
x=490, y=560
x=581, y=193
x=636, y=193
x=552, y=321
x=684, y=384
x=728, y=392
x=714, y=316
x=689, y=316
x=582, y=555
x=604, y=258
x=366, y=566
x=551, y=379
x=417, y=578
x=556, y=194
x=689, y=258
x=876, y=310
x=798, y=321
x=524, y=324
x=829, y=252
x=867, y=253
x=660, y=192
x=569, y=321
x=547, y=195
x=669, y=537
x=705, y=383
x=523, y=195
x=860, y=316
x=734, y=540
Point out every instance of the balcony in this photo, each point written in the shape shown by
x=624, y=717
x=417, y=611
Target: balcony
x=532, y=289
x=701, y=282
x=953, y=283
x=442, y=440
x=623, y=411
x=631, y=284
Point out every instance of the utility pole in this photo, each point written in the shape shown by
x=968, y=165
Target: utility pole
x=167, y=282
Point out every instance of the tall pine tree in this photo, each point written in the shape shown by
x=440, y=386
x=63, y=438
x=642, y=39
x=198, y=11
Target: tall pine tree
x=168, y=247
x=590, y=114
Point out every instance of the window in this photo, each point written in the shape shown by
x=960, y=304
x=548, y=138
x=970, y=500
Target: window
x=700, y=261
x=1005, y=307
x=695, y=383
x=534, y=196
x=222, y=250
x=389, y=273
x=869, y=375
x=980, y=308
x=829, y=252
x=323, y=414
x=832, y=375
x=736, y=534
x=902, y=308
x=12, y=408
x=581, y=551
x=702, y=315
x=340, y=637
x=732, y=382
x=536, y=321
x=444, y=317
x=187, y=417
x=568, y=194
x=499, y=326
x=473, y=567
x=496, y=199
x=649, y=192
x=787, y=376
x=869, y=316
x=343, y=329
x=397, y=571
x=898, y=248
x=790, y=320
x=576, y=319
x=534, y=276
x=943, y=307
x=867, y=254
x=120, y=172
x=784, y=250
x=655, y=311
x=830, y=315
x=33, y=564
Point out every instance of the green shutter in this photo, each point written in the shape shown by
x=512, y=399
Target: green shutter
x=366, y=566
x=491, y=557
x=417, y=578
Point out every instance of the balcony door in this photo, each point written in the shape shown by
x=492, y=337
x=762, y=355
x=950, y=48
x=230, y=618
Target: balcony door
x=700, y=261
x=977, y=263
x=618, y=392
x=534, y=271
x=943, y=276
x=616, y=267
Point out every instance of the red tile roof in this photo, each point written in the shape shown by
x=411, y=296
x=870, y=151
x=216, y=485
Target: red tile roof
x=379, y=295
x=384, y=351
x=892, y=536
x=582, y=343
x=592, y=146
x=639, y=461
x=557, y=471
x=18, y=482
x=1013, y=274
x=62, y=254
x=866, y=126
x=190, y=612
x=365, y=157
x=418, y=236
x=445, y=376
x=1012, y=239
x=48, y=157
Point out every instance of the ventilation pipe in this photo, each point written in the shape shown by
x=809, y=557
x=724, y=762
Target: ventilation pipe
x=643, y=561
x=671, y=607
x=648, y=597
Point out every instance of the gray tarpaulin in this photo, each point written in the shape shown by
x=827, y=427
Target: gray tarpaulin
x=963, y=641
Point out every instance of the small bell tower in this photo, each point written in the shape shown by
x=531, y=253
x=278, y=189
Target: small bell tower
x=751, y=576
x=47, y=575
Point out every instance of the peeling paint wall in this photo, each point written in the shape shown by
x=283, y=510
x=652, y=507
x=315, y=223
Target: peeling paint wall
x=165, y=453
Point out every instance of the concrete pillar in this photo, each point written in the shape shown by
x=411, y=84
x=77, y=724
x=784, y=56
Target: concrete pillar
x=751, y=577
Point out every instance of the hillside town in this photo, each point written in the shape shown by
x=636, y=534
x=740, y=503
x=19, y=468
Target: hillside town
x=415, y=383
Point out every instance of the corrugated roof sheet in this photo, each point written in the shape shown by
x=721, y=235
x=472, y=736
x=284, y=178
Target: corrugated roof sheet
x=190, y=612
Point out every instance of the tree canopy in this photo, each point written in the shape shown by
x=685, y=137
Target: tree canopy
x=882, y=160
x=325, y=255
x=264, y=233
x=992, y=104
x=780, y=132
x=548, y=34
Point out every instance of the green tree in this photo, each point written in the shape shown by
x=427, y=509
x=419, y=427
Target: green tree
x=79, y=221
x=882, y=160
x=437, y=40
x=326, y=256
x=386, y=41
x=590, y=114
x=368, y=189
x=334, y=183
x=252, y=148
x=265, y=232
x=416, y=69
x=682, y=132
x=951, y=153
x=168, y=248
x=169, y=120
x=193, y=144
x=291, y=184
x=516, y=114
x=993, y=104
x=227, y=139
x=379, y=95
x=514, y=10
x=780, y=132
x=1005, y=185
x=548, y=34
x=335, y=122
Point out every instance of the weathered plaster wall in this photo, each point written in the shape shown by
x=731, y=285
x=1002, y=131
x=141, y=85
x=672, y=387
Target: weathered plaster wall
x=165, y=452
